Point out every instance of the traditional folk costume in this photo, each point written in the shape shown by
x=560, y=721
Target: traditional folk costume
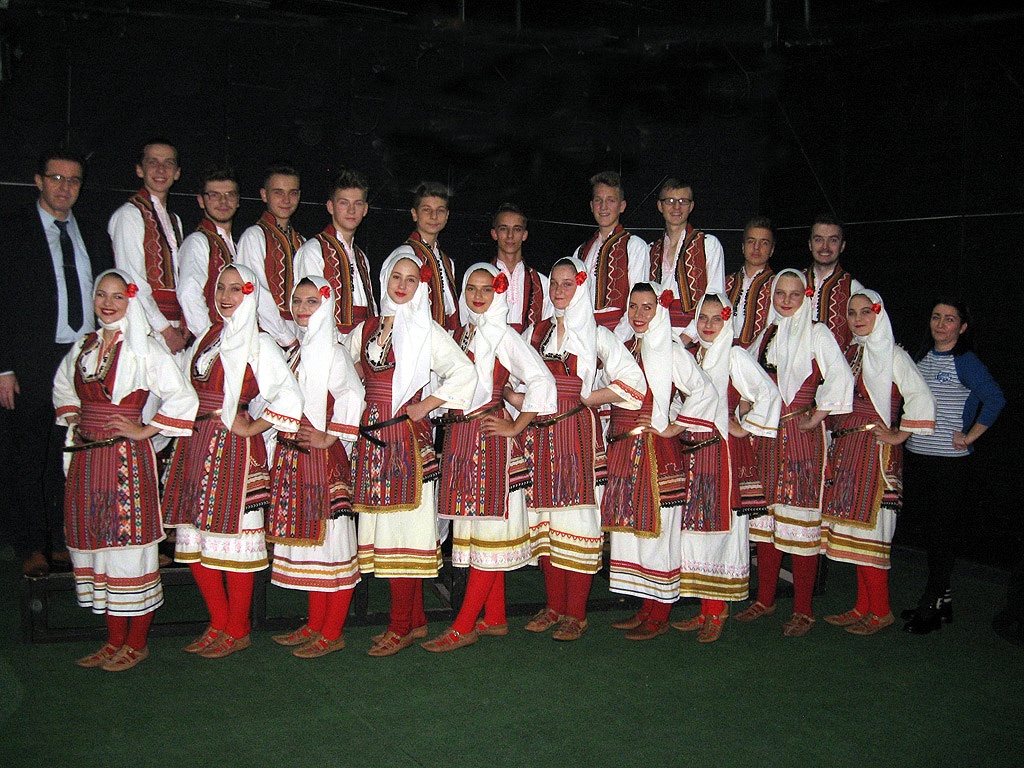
x=614, y=265
x=725, y=488
x=863, y=492
x=567, y=456
x=444, y=307
x=696, y=267
x=831, y=297
x=751, y=301
x=812, y=375
x=146, y=238
x=395, y=468
x=346, y=269
x=203, y=256
x=483, y=477
x=527, y=295
x=269, y=252
x=644, y=501
x=219, y=483
x=112, y=503
x=310, y=519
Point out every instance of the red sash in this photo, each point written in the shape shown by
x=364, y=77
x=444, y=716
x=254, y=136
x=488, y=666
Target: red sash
x=835, y=293
x=278, y=261
x=756, y=302
x=220, y=257
x=158, y=258
x=426, y=254
x=338, y=272
x=611, y=273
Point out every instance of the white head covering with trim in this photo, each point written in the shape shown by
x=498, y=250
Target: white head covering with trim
x=876, y=361
x=410, y=334
x=316, y=353
x=715, y=361
x=580, y=328
x=790, y=351
x=239, y=343
x=491, y=326
x=134, y=327
x=656, y=354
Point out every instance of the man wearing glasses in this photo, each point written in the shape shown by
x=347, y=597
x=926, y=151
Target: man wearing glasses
x=208, y=250
x=48, y=259
x=146, y=237
x=685, y=260
x=334, y=255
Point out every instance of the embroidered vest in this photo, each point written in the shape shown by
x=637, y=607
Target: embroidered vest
x=159, y=259
x=835, y=293
x=611, y=273
x=755, y=303
x=278, y=261
x=338, y=272
x=691, y=273
x=426, y=254
x=533, y=300
x=220, y=257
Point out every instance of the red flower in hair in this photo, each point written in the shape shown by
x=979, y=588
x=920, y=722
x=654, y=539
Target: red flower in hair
x=809, y=292
x=248, y=288
x=500, y=283
x=666, y=299
x=726, y=313
x=581, y=277
x=876, y=308
x=131, y=290
x=325, y=292
x=426, y=273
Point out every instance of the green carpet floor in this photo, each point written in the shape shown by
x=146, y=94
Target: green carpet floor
x=755, y=698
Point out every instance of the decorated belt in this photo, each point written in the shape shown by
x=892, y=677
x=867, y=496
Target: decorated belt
x=293, y=444
x=622, y=435
x=837, y=433
x=809, y=408
x=550, y=422
x=693, y=447
x=367, y=430
x=459, y=419
x=94, y=444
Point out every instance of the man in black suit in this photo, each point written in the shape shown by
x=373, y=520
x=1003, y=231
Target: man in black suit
x=47, y=263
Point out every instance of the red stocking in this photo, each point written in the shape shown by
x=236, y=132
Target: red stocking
x=117, y=630
x=805, y=570
x=494, y=608
x=336, y=611
x=657, y=611
x=419, y=616
x=403, y=598
x=578, y=585
x=863, y=595
x=769, y=561
x=555, y=586
x=712, y=607
x=211, y=586
x=878, y=590
x=240, y=587
x=139, y=630
x=478, y=586
x=317, y=611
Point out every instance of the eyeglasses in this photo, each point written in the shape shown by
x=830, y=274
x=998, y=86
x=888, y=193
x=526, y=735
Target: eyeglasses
x=230, y=197
x=59, y=178
x=674, y=201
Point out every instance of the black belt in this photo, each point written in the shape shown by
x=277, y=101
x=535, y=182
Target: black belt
x=692, y=447
x=550, y=422
x=460, y=419
x=622, y=435
x=836, y=434
x=94, y=444
x=366, y=430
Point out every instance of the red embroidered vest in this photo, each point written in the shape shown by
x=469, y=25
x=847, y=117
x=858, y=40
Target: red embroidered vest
x=278, y=261
x=338, y=272
x=691, y=274
x=426, y=254
x=159, y=260
x=220, y=257
x=533, y=300
x=755, y=304
x=611, y=274
x=835, y=293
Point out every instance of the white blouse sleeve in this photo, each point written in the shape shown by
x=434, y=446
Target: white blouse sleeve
x=65, y=399
x=697, y=413
x=835, y=393
x=127, y=232
x=757, y=388
x=621, y=370
x=279, y=388
x=178, y=400
x=918, y=400
x=348, y=394
x=194, y=258
x=455, y=371
x=353, y=343
x=526, y=367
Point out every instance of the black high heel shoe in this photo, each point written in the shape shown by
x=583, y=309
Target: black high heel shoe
x=923, y=621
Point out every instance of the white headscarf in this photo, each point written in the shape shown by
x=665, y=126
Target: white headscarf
x=316, y=353
x=876, y=361
x=134, y=327
x=490, y=328
x=790, y=351
x=656, y=354
x=410, y=334
x=239, y=343
x=715, y=361
x=580, y=327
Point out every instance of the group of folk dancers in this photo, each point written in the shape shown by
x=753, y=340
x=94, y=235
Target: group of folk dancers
x=571, y=407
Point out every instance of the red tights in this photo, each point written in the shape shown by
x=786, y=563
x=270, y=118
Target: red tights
x=121, y=631
x=328, y=611
x=406, y=606
x=567, y=591
x=485, y=590
x=872, y=591
x=805, y=570
x=229, y=608
x=655, y=611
